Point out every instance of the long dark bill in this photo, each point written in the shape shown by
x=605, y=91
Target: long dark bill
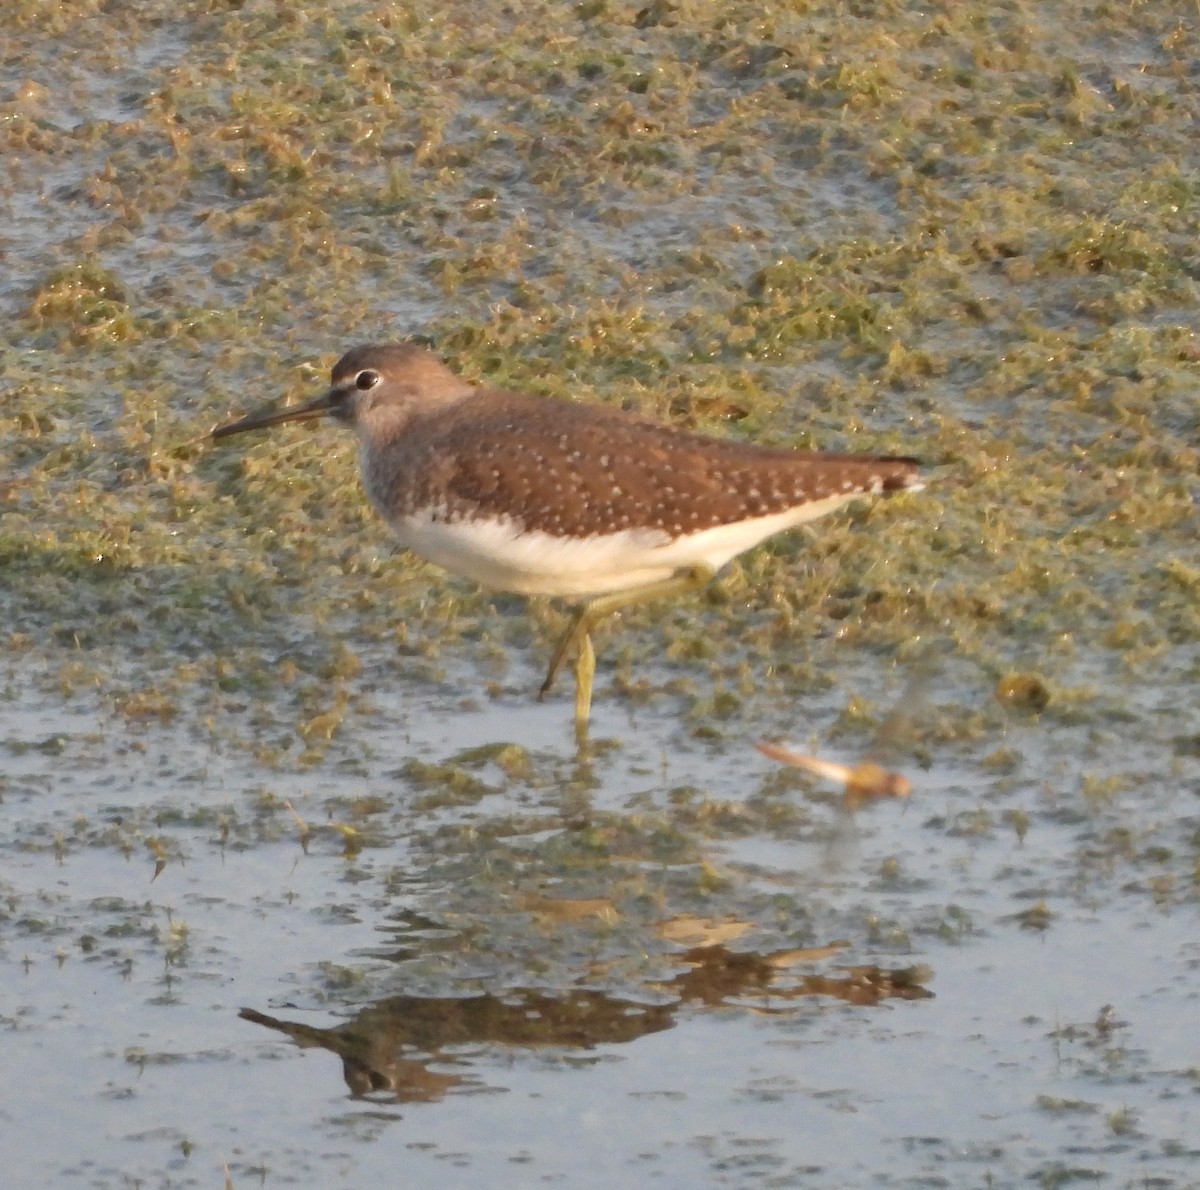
x=258, y=421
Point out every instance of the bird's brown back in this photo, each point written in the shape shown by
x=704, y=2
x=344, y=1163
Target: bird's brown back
x=577, y=470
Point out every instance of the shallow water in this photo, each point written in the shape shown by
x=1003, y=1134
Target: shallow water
x=301, y=886
x=124, y=989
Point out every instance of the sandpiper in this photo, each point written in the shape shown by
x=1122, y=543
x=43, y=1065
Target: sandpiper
x=548, y=497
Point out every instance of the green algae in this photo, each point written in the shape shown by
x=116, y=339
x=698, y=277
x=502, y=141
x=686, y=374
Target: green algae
x=960, y=231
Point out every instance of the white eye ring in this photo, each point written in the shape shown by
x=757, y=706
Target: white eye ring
x=367, y=378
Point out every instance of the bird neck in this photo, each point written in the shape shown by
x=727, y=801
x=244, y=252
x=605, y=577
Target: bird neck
x=405, y=410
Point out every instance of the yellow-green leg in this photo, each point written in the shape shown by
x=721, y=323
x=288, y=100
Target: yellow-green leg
x=579, y=630
x=585, y=671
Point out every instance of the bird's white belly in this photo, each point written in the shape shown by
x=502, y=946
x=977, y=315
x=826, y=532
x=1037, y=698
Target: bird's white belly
x=501, y=554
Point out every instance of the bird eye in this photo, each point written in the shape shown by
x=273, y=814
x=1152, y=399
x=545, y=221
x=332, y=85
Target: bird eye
x=366, y=379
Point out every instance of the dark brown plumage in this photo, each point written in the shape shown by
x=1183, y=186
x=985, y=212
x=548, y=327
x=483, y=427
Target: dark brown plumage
x=585, y=470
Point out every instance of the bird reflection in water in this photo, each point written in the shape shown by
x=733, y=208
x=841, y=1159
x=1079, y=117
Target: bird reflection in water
x=391, y=1048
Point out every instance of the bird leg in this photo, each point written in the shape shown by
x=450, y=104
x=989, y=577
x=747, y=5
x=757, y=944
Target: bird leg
x=585, y=671
x=578, y=632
